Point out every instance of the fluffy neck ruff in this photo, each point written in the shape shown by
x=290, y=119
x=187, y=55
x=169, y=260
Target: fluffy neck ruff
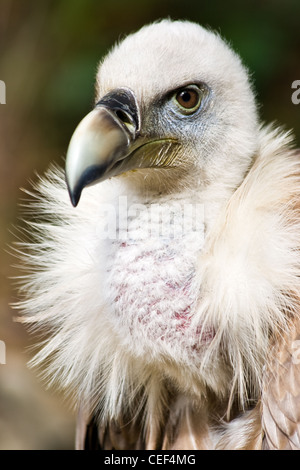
x=248, y=284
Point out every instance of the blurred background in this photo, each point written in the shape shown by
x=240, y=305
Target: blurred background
x=49, y=51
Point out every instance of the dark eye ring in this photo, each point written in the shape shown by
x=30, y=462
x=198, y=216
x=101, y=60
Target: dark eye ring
x=188, y=99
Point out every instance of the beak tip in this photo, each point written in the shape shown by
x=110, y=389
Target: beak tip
x=74, y=194
x=74, y=200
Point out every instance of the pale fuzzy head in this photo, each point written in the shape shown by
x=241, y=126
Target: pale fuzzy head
x=220, y=138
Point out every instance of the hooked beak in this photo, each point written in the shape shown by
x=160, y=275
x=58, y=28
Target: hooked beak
x=101, y=139
x=107, y=142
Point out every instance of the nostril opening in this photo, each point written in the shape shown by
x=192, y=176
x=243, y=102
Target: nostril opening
x=123, y=116
x=127, y=120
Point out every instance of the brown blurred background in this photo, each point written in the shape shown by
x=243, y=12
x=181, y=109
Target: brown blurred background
x=49, y=50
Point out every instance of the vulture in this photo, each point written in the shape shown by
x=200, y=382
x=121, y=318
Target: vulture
x=163, y=265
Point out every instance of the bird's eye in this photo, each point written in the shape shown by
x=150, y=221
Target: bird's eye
x=188, y=99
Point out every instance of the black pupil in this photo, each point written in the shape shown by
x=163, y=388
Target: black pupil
x=185, y=96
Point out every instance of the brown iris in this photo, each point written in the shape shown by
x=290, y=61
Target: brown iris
x=188, y=99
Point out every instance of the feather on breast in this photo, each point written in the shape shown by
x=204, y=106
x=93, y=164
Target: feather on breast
x=151, y=274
